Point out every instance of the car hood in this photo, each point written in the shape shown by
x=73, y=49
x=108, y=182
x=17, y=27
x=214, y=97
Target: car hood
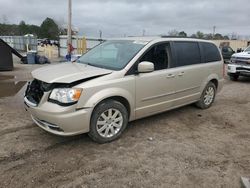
x=67, y=72
x=242, y=54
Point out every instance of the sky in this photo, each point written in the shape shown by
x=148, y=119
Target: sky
x=116, y=18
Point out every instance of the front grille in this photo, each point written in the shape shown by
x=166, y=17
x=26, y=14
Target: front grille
x=242, y=58
x=243, y=69
x=35, y=91
x=243, y=63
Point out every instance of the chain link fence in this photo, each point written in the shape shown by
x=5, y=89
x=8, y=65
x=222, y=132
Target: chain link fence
x=21, y=43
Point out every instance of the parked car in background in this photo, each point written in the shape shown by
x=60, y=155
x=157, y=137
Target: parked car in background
x=227, y=52
x=39, y=41
x=123, y=80
x=239, y=64
x=45, y=41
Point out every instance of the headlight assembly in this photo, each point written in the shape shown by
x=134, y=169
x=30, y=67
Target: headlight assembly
x=65, y=95
x=233, y=59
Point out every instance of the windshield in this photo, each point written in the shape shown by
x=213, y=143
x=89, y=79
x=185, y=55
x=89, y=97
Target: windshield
x=113, y=55
x=247, y=49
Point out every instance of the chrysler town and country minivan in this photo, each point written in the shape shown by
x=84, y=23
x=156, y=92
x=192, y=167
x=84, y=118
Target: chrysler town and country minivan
x=123, y=80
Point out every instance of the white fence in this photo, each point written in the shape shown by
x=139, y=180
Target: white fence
x=20, y=42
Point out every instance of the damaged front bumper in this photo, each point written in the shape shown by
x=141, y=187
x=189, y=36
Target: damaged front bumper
x=63, y=121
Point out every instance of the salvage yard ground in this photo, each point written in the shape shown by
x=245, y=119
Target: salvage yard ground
x=189, y=147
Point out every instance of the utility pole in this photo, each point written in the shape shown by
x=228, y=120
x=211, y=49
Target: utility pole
x=69, y=41
x=143, y=32
x=214, y=27
x=100, y=34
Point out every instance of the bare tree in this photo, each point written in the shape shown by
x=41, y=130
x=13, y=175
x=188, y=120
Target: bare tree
x=4, y=19
x=173, y=33
x=234, y=36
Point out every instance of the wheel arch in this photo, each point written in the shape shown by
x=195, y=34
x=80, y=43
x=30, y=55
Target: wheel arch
x=120, y=99
x=215, y=82
x=121, y=95
x=214, y=78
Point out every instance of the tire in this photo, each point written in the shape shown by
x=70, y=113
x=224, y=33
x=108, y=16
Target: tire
x=234, y=77
x=207, y=97
x=109, y=119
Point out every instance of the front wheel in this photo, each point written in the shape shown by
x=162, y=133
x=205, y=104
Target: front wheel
x=108, y=121
x=207, y=97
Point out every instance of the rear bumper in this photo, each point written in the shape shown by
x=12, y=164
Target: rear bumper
x=238, y=69
x=63, y=121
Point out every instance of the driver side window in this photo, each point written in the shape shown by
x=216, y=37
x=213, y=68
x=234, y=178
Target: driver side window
x=159, y=55
x=230, y=49
x=225, y=49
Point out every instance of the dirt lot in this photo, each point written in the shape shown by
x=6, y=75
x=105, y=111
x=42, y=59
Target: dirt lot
x=189, y=147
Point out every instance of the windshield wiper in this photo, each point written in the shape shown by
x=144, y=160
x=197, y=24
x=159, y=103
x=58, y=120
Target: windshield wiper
x=91, y=64
x=86, y=63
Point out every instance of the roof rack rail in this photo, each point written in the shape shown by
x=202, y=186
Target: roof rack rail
x=167, y=36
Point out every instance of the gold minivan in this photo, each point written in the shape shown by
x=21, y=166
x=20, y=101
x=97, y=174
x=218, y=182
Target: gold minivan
x=122, y=80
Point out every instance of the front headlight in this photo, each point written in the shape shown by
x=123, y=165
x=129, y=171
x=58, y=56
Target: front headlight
x=65, y=95
x=233, y=59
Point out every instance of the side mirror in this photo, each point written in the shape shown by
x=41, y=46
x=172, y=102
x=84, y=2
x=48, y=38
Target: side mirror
x=145, y=66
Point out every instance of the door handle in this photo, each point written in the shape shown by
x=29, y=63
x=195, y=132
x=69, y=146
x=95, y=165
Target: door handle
x=181, y=74
x=170, y=76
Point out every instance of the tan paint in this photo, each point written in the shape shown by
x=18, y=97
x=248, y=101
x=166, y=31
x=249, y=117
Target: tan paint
x=146, y=93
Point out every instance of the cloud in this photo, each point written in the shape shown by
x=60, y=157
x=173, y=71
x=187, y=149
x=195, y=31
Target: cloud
x=128, y=17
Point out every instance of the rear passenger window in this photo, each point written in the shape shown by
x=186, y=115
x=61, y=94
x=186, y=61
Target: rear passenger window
x=187, y=53
x=210, y=51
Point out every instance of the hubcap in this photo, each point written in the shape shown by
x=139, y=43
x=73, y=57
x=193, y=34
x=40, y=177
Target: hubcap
x=109, y=123
x=209, y=96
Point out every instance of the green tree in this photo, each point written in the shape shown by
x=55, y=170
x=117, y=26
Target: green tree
x=22, y=28
x=199, y=35
x=208, y=36
x=182, y=34
x=49, y=29
x=35, y=30
x=218, y=36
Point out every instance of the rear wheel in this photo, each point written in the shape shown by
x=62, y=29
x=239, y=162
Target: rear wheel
x=207, y=97
x=108, y=121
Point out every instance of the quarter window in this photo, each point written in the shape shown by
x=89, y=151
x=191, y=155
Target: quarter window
x=187, y=53
x=211, y=52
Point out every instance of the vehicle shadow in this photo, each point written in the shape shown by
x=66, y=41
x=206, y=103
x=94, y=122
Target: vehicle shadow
x=244, y=79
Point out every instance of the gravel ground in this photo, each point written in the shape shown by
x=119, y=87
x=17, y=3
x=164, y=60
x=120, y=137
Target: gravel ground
x=186, y=147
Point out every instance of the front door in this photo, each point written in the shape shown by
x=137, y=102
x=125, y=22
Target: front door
x=155, y=90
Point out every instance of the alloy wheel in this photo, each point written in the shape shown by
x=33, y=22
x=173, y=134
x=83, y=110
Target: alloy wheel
x=109, y=123
x=209, y=96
